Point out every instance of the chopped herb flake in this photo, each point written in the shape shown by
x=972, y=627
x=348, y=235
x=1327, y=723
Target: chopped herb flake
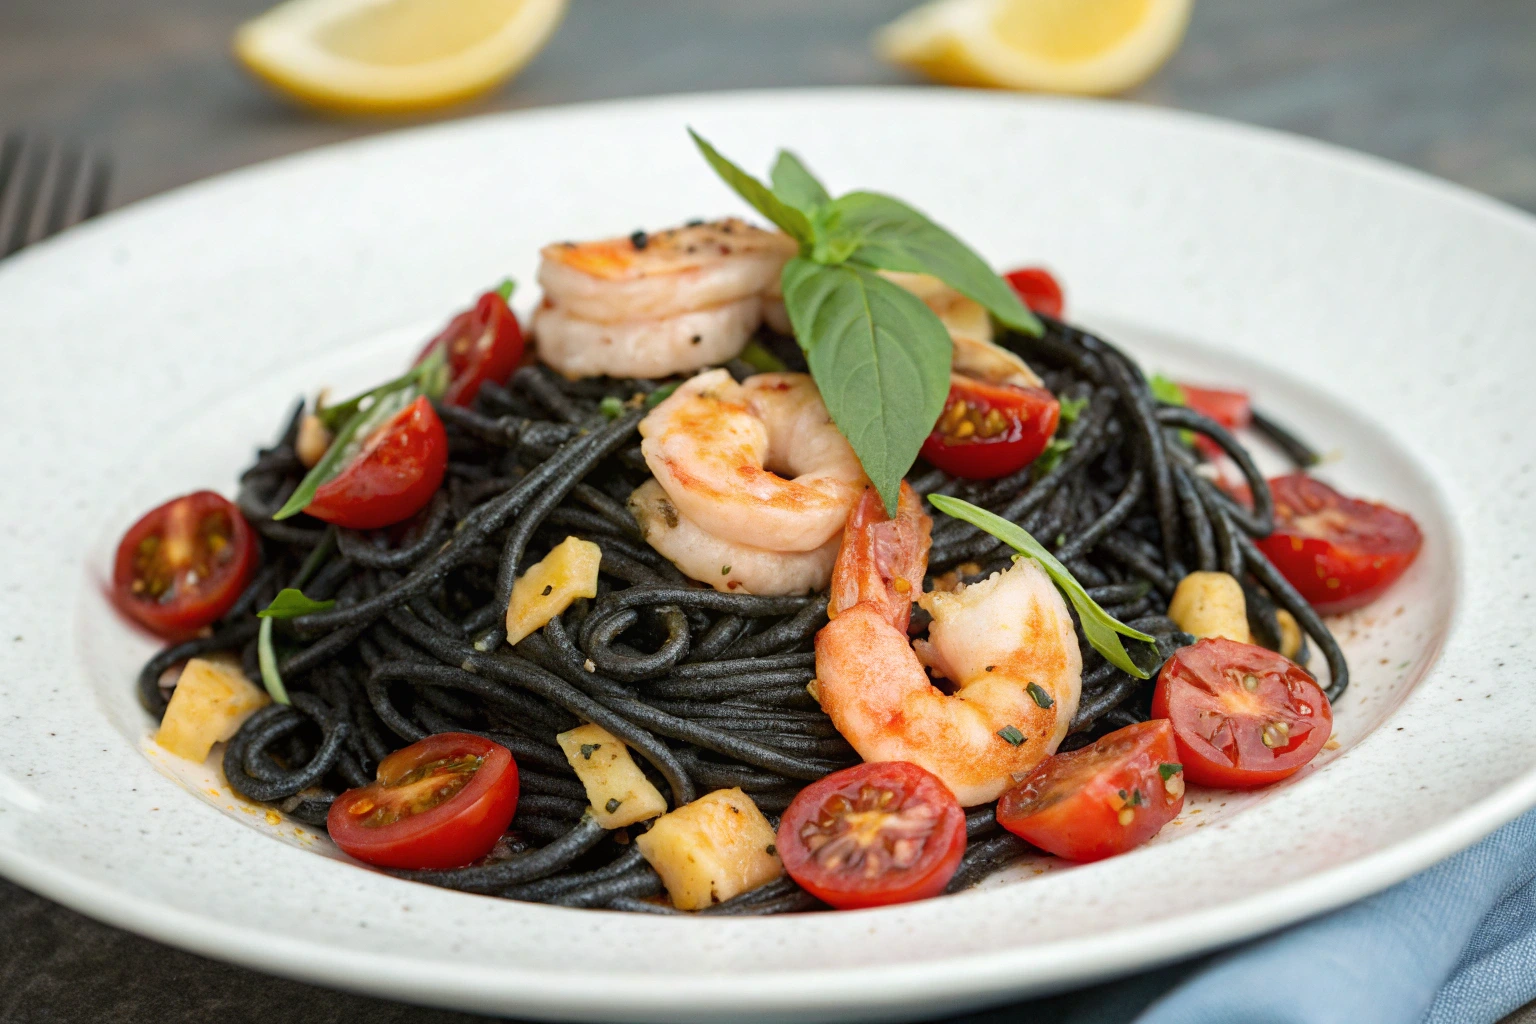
x=771, y=849
x=586, y=750
x=1168, y=770
x=1072, y=408
x=1011, y=734
x=725, y=570
x=611, y=407
x=1039, y=695
x=612, y=804
x=548, y=589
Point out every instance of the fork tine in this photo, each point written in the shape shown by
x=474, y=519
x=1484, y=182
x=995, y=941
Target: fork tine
x=61, y=202
x=26, y=202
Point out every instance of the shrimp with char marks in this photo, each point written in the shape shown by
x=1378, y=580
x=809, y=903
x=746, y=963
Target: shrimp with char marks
x=1007, y=644
x=654, y=305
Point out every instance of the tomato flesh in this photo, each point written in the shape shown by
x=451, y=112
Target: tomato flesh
x=1102, y=800
x=1242, y=716
x=483, y=343
x=441, y=802
x=1339, y=552
x=1038, y=289
x=877, y=833
x=184, y=564
x=392, y=477
x=990, y=430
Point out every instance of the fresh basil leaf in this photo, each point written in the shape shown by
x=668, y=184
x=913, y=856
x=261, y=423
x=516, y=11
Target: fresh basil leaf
x=791, y=220
x=1098, y=625
x=880, y=358
x=348, y=442
x=893, y=236
x=290, y=604
x=796, y=185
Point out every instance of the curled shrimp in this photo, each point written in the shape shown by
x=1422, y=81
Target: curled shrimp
x=758, y=463
x=1006, y=643
x=653, y=305
x=727, y=565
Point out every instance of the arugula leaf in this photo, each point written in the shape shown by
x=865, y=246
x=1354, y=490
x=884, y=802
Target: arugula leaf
x=893, y=236
x=1098, y=625
x=290, y=604
x=880, y=357
x=796, y=185
x=795, y=223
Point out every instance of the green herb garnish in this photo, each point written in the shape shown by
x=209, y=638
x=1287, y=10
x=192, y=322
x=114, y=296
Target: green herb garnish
x=360, y=416
x=586, y=750
x=288, y=604
x=506, y=288
x=612, y=804
x=1168, y=770
x=880, y=357
x=1055, y=450
x=1098, y=625
x=1011, y=733
x=611, y=407
x=1072, y=408
x=1039, y=696
x=760, y=359
x=660, y=395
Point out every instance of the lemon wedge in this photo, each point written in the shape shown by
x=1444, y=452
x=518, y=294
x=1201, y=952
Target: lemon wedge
x=1076, y=46
x=393, y=56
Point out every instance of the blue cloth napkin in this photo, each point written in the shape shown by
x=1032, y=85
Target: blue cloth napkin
x=1453, y=945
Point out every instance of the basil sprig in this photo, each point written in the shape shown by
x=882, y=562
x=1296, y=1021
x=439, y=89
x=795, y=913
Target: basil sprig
x=879, y=355
x=1099, y=626
x=360, y=416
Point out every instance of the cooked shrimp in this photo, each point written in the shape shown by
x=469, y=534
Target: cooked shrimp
x=646, y=348
x=723, y=564
x=990, y=639
x=654, y=305
x=758, y=463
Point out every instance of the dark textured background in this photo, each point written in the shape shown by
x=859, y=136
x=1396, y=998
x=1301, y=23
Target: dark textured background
x=1447, y=87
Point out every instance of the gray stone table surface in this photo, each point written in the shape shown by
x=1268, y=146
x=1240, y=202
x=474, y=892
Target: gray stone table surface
x=1446, y=87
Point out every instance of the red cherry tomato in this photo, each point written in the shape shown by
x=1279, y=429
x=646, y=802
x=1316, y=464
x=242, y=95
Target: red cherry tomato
x=394, y=474
x=1339, y=552
x=184, y=564
x=1242, y=716
x=1038, y=290
x=483, y=343
x=990, y=430
x=876, y=833
x=441, y=802
x=1231, y=409
x=1101, y=800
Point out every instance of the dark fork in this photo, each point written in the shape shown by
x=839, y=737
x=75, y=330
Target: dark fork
x=45, y=188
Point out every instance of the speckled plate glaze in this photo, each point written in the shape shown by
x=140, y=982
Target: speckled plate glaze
x=1387, y=315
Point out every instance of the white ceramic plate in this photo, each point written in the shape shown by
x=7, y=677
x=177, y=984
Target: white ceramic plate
x=1387, y=315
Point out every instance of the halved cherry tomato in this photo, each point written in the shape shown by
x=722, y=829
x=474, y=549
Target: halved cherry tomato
x=1104, y=799
x=184, y=564
x=394, y=474
x=1037, y=289
x=482, y=343
x=990, y=430
x=441, y=802
x=1339, y=552
x=1231, y=409
x=876, y=833
x=1242, y=716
